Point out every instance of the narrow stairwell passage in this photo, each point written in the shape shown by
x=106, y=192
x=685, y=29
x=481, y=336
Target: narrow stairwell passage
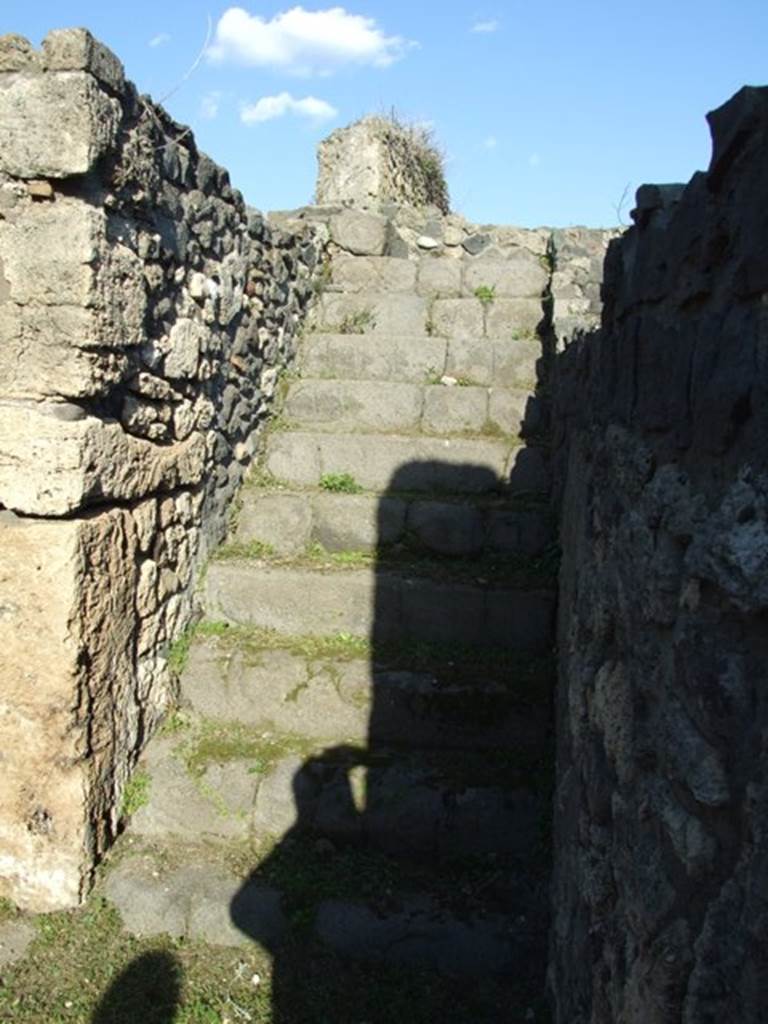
x=359, y=779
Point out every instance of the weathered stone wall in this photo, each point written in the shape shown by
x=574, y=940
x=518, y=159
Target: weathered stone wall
x=661, y=882
x=144, y=314
x=377, y=160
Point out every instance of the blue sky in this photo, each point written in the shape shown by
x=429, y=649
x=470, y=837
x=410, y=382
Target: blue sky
x=546, y=111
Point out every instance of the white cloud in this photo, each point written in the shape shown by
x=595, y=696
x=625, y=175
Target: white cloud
x=160, y=39
x=303, y=42
x=209, y=106
x=485, y=26
x=270, y=107
x=491, y=142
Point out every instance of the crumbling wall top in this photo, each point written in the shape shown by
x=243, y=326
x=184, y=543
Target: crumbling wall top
x=379, y=159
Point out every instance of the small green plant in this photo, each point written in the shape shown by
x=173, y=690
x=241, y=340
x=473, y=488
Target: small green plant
x=174, y=723
x=249, y=549
x=358, y=323
x=521, y=334
x=179, y=651
x=317, y=552
x=340, y=483
x=486, y=293
x=135, y=794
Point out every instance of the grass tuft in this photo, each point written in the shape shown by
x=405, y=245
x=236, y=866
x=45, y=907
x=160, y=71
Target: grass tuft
x=340, y=483
x=135, y=793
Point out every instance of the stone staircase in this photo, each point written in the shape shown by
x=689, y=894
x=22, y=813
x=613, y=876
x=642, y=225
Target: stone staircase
x=360, y=767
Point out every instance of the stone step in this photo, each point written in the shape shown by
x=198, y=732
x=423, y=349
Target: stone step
x=402, y=807
x=522, y=275
x=370, y=313
x=381, y=605
x=377, y=312
x=424, y=934
x=390, y=407
x=352, y=701
x=288, y=522
x=204, y=900
x=396, y=463
x=380, y=800
x=378, y=462
x=496, y=362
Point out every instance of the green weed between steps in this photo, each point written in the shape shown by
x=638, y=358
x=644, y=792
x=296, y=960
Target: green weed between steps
x=357, y=323
x=215, y=742
x=528, y=678
x=135, y=793
x=339, y=483
x=178, y=653
x=485, y=293
x=252, y=639
x=246, y=549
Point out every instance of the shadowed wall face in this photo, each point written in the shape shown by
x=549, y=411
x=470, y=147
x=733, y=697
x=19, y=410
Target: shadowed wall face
x=661, y=439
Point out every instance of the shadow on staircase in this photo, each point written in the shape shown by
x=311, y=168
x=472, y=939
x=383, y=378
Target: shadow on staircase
x=416, y=871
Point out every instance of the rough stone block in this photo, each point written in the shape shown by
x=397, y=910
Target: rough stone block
x=420, y=935
x=471, y=359
x=293, y=601
x=49, y=254
x=357, y=522
x=363, y=234
x=378, y=462
x=515, y=362
x=517, y=531
x=506, y=409
x=442, y=613
x=282, y=521
x=372, y=357
x=294, y=458
x=354, y=405
x=273, y=690
x=454, y=410
x=217, y=806
x=74, y=463
x=186, y=338
x=458, y=318
x=367, y=312
x=148, y=905
x=439, y=277
x=16, y=53
x=54, y=126
x=446, y=528
x=41, y=857
x=513, y=318
x=520, y=276
x=372, y=274
x=200, y=901
x=75, y=49
x=65, y=587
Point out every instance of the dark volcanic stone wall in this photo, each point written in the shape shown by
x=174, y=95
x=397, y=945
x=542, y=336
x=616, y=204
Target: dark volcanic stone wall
x=661, y=832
